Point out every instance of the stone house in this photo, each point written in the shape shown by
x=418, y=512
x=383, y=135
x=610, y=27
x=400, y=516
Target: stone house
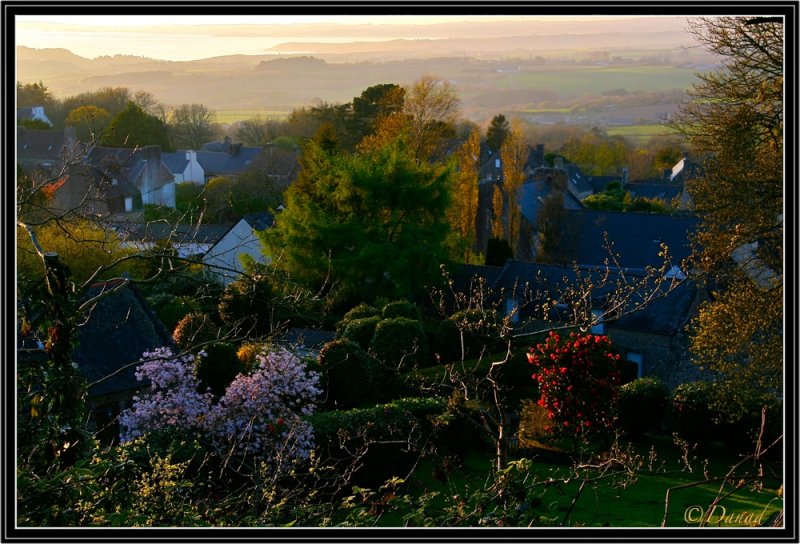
x=652, y=338
x=136, y=177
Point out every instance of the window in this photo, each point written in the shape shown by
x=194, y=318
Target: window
x=632, y=368
x=128, y=204
x=598, y=327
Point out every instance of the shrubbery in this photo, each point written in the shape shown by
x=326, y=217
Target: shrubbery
x=391, y=435
x=400, y=344
x=251, y=303
x=193, y=329
x=217, y=368
x=642, y=406
x=401, y=308
x=350, y=377
x=578, y=377
x=480, y=329
x=361, y=330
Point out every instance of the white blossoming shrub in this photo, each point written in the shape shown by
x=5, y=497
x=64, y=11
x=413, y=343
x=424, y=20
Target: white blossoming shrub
x=259, y=415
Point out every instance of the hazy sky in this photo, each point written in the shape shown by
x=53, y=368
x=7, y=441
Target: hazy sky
x=190, y=37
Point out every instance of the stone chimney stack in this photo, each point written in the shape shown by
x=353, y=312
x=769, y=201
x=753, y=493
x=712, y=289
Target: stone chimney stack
x=624, y=176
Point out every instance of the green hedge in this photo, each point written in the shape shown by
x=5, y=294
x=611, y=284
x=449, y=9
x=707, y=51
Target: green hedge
x=350, y=377
x=642, y=406
x=388, y=438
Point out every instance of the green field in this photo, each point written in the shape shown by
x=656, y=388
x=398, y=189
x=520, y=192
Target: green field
x=578, y=81
x=639, y=133
x=232, y=116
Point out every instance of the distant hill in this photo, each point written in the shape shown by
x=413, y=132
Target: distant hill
x=491, y=74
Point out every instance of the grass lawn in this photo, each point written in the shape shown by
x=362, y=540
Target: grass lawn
x=638, y=503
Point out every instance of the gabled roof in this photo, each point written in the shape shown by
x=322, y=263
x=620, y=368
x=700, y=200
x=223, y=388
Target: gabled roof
x=119, y=330
x=175, y=162
x=130, y=164
x=44, y=145
x=576, y=179
x=260, y=221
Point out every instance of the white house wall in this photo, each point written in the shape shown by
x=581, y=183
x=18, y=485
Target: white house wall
x=224, y=259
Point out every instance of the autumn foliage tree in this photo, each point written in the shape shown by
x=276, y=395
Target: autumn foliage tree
x=736, y=118
x=463, y=211
x=514, y=155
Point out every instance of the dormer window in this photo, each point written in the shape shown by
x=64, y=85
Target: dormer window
x=113, y=181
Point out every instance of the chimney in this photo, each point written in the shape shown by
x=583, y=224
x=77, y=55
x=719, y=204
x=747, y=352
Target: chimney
x=667, y=173
x=191, y=156
x=624, y=176
x=540, y=152
x=558, y=162
x=685, y=156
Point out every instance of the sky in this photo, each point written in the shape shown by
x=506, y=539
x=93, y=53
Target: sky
x=192, y=37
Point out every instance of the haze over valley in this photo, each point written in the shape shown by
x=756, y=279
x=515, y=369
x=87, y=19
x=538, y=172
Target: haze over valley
x=605, y=71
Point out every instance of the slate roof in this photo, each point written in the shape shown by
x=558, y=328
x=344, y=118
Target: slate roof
x=599, y=183
x=129, y=163
x=160, y=230
x=636, y=237
x=260, y=221
x=577, y=179
x=540, y=282
x=37, y=146
x=176, y=162
x=217, y=163
x=536, y=190
x=664, y=191
x=120, y=329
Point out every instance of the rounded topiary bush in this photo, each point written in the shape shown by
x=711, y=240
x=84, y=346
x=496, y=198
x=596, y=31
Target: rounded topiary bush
x=642, y=406
x=361, y=311
x=350, y=377
x=361, y=330
x=217, y=368
x=401, y=308
x=400, y=344
x=193, y=329
x=691, y=414
x=444, y=341
x=480, y=329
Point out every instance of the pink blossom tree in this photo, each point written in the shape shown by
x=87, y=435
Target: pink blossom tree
x=260, y=415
